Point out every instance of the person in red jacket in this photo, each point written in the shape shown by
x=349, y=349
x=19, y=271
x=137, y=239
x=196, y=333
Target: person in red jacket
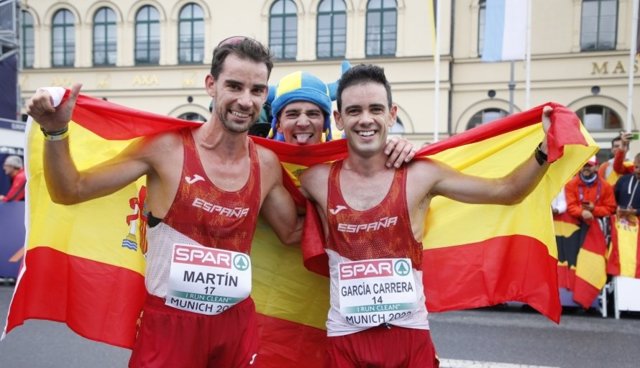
x=13, y=169
x=588, y=195
x=622, y=166
x=616, y=166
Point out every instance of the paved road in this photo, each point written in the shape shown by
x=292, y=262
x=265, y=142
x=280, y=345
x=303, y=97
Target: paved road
x=524, y=338
x=510, y=337
x=44, y=344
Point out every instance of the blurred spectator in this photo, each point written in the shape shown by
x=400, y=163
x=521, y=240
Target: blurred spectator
x=614, y=168
x=13, y=169
x=626, y=192
x=620, y=164
x=589, y=196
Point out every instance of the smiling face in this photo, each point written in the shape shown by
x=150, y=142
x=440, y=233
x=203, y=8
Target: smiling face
x=365, y=117
x=238, y=93
x=301, y=123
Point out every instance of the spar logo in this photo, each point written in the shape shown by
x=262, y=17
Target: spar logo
x=241, y=262
x=190, y=254
x=366, y=269
x=402, y=267
x=212, y=257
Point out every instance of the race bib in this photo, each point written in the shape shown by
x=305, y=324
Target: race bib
x=376, y=291
x=207, y=280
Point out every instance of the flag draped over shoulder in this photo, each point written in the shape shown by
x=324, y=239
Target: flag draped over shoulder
x=84, y=267
x=481, y=255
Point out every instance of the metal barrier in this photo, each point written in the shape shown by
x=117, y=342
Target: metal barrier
x=626, y=293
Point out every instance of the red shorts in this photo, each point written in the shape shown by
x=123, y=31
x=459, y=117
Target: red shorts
x=382, y=347
x=169, y=337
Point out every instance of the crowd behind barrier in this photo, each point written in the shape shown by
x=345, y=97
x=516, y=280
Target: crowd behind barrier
x=598, y=266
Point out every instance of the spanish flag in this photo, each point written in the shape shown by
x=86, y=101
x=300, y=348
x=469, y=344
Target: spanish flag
x=84, y=263
x=591, y=274
x=624, y=258
x=582, y=251
x=569, y=239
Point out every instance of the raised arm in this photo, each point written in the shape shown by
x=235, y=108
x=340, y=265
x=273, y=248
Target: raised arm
x=618, y=159
x=65, y=183
x=510, y=189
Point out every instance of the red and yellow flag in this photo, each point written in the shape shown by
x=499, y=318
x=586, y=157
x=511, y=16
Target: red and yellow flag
x=83, y=264
x=591, y=274
x=624, y=258
x=582, y=251
x=84, y=267
x=569, y=238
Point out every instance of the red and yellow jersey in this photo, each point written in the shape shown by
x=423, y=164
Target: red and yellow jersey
x=383, y=231
x=210, y=215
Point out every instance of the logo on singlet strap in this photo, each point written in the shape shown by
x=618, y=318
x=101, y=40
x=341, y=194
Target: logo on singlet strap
x=193, y=179
x=334, y=211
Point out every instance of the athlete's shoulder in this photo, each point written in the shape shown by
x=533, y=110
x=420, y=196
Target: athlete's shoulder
x=423, y=163
x=317, y=170
x=266, y=156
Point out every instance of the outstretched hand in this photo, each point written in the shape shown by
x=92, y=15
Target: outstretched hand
x=51, y=118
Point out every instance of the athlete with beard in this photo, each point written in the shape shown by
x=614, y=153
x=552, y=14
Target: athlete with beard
x=589, y=196
x=205, y=188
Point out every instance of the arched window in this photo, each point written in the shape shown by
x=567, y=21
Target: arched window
x=63, y=42
x=191, y=34
x=485, y=116
x=599, y=24
x=283, y=30
x=382, y=26
x=482, y=15
x=105, y=39
x=147, y=47
x=332, y=29
x=192, y=116
x=598, y=118
x=27, y=50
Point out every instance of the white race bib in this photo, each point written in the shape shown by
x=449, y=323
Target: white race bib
x=207, y=280
x=376, y=291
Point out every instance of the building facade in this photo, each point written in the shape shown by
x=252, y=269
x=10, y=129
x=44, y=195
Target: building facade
x=154, y=55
